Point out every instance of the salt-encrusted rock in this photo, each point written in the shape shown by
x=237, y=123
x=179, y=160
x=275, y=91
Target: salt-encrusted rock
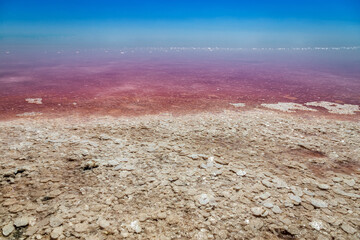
x=55, y=221
x=21, y=222
x=316, y=224
x=266, y=183
x=347, y=228
x=135, y=226
x=257, y=211
x=295, y=198
x=349, y=182
x=103, y=223
x=241, y=173
x=8, y=229
x=318, y=203
x=81, y=227
x=57, y=232
x=323, y=186
x=276, y=209
x=265, y=195
x=346, y=194
x=204, y=199
x=268, y=204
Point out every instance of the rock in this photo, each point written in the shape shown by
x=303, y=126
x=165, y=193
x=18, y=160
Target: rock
x=135, y=225
x=125, y=167
x=21, y=222
x=56, y=233
x=318, y=203
x=8, y=229
x=293, y=230
x=276, y=209
x=241, y=173
x=316, y=224
x=295, y=198
x=266, y=183
x=89, y=165
x=103, y=223
x=265, y=195
x=204, y=199
x=161, y=215
x=81, y=227
x=323, y=186
x=55, y=221
x=341, y=192
x=268, y=204
x=350, y=182
x=257, y=211
x=347, y=228
x=337, y=179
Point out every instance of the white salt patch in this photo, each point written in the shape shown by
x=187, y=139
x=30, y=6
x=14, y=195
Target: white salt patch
x=29, y=114
x=34, y=100
x=287, y=106
x=238, y=104
x=336, y=107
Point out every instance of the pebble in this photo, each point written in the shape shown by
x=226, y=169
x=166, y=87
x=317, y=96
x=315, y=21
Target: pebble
x=266, y=183
x=57, y=232
x=81, y=227
x=276, y=209
x=337, y=179
x=257, y=211
x=318, y=225
x=241, y=173
x=347, y=228
x=318, y=203
x=350, y=182
x=265, y=195
x=323, y=186
x=204, y=199
x=295, y=198
x=21, y=222
x=103, y=223
x=268, y=204
x=135, y=225
x=55, y=221
x=8, y=229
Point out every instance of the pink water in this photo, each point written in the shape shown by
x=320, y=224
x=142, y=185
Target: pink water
x=135, y=82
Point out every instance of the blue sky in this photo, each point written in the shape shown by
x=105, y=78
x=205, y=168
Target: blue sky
x=138, y=23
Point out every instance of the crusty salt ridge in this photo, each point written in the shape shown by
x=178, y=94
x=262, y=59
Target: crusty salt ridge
x=34, y=100
x=45, y=178
x=287, y=106
x=336, y=107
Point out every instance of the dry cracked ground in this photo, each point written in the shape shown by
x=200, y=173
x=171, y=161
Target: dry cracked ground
x=234, y=175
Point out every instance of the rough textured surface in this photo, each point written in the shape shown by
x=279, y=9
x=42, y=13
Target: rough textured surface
x=163, y=177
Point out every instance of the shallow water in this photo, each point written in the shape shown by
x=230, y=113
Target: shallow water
x=151, y=81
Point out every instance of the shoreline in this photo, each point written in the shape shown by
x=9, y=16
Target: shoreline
x=255, y=173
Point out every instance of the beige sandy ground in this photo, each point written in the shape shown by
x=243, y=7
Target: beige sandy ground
x=233, y=175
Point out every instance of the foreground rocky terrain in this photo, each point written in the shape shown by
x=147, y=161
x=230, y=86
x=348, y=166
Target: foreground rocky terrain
x=234, y=175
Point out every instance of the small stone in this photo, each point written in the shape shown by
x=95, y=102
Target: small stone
x=8, y=229
x=318, y=203
x=347, y=228
x=56, y=233
x=295, y=198
x=81, y=227
x=161, y=215
x=293, y=230
x=257, y=211
x=276, y=209
x=103, y=223
x=204, y=199
x=135, y=225
x=323, y=186
x=268, y=204
x=241, y=173
x=307, y=192
x=21, y=222
x=350, y=182
x=337, y=179
x=265, y=195
x=55, y=221
x=266, y=183
x=318, y=225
